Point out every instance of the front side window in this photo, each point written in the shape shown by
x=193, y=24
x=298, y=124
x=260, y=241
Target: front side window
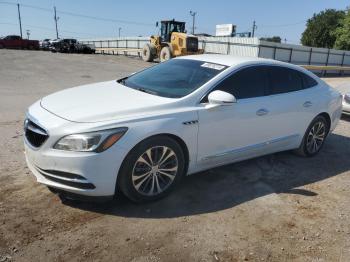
x=247, y=83
x=175, y=78
x=284, y=80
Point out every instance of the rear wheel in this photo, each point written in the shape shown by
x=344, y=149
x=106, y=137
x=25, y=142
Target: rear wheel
x=147, y=53
x=165, y=54
x=314, y=137
x=152, y=169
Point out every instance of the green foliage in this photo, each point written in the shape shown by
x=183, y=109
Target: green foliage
x=275, y=39
x=320, y=29
x=342, y=34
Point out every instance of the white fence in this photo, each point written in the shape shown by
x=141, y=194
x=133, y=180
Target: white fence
x=295, y=54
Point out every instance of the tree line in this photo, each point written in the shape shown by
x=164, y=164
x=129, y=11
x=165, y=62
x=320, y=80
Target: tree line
x=328, y=29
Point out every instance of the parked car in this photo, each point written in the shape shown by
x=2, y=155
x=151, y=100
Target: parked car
x=72, y=46
x=16, y=42
x=141, y=134
x=45, y=44
x=345, y=91
x=85, y=48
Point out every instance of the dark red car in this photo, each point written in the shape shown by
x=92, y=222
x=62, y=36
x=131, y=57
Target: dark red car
x=16, y=42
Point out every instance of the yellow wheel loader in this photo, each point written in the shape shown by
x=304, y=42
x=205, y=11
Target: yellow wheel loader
x=172, y=42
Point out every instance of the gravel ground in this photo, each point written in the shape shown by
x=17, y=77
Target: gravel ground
x=274, y=208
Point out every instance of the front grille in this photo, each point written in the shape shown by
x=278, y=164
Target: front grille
x=192, y=44
x=34, y=134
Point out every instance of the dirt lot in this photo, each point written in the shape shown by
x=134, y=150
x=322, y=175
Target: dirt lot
x=275, y=208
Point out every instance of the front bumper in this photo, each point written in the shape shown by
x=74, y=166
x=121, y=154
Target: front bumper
x=82, y=173
x=88, y=174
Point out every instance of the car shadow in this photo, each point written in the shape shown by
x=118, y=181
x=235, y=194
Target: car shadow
x=231, y=185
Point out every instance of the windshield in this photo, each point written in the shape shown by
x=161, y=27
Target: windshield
x=175, y=78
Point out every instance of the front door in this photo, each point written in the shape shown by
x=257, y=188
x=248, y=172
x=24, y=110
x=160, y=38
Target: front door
x=242, y=130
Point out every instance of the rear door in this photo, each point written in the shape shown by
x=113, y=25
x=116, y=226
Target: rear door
x=292, y=102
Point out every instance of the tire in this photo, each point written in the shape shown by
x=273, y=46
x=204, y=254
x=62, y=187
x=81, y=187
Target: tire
x=314, y=137
x=165, y=54
x=148, y=53
x=142, y=179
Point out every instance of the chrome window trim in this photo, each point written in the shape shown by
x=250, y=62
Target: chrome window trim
x=254, y=65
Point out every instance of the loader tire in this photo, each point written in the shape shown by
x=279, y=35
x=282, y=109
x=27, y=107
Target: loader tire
x=165, y=54
x=147, y=53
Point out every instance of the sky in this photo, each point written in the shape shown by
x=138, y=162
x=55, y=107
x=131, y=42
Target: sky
x=95, y=19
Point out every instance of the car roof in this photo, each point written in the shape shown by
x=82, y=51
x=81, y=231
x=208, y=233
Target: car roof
x=229, y=60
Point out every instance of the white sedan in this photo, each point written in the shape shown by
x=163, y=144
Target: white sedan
x=344, y=89
x=141, y=134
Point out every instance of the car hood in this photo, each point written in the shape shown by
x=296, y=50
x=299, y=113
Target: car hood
x=101, y=102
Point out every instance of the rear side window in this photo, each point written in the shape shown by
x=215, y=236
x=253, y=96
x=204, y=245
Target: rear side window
x=284, y=80
x=308, y=81
x=246, y=83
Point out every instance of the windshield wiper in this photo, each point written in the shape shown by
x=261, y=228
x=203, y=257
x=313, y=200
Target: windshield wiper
x=122, y=80
x=146, y=91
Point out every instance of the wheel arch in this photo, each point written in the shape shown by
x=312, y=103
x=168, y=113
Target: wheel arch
x=328, y=119
x=176, y=138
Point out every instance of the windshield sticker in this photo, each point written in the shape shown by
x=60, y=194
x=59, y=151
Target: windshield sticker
x=213, y=66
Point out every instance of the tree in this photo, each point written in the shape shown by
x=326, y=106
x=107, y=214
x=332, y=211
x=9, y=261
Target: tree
x=342, y=33
x=275, y=39
x=320, y=29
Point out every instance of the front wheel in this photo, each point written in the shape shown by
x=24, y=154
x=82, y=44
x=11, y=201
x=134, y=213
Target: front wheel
x=152, y=169
x=314, y=137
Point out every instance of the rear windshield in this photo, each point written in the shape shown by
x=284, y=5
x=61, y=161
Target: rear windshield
x=175, y=78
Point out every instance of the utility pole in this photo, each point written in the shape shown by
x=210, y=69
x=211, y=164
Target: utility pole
x=193, y=14
x=254, y=28
x=56, y=19
x=20, y=21
x=28, y=34
x=119, y=29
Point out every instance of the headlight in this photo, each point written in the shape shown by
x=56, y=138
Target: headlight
x=90, y=142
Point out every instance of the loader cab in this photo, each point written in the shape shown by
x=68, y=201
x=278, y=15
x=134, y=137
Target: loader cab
x=169, y=27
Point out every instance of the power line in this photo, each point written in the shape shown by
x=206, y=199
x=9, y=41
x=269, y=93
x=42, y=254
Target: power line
x=104, y=19
x=50, y=29
x=81, y=15
x=285, y=25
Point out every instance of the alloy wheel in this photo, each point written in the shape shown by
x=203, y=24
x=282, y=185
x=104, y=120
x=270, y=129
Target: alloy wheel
x=316, y=137
x=155, y=170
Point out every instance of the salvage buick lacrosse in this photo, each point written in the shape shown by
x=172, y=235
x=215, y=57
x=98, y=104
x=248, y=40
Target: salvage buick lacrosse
x=141, y=134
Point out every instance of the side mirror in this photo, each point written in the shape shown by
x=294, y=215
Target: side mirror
x=220, y=98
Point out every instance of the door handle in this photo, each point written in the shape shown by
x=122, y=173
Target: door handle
x=307, y=104
x=262, y=112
